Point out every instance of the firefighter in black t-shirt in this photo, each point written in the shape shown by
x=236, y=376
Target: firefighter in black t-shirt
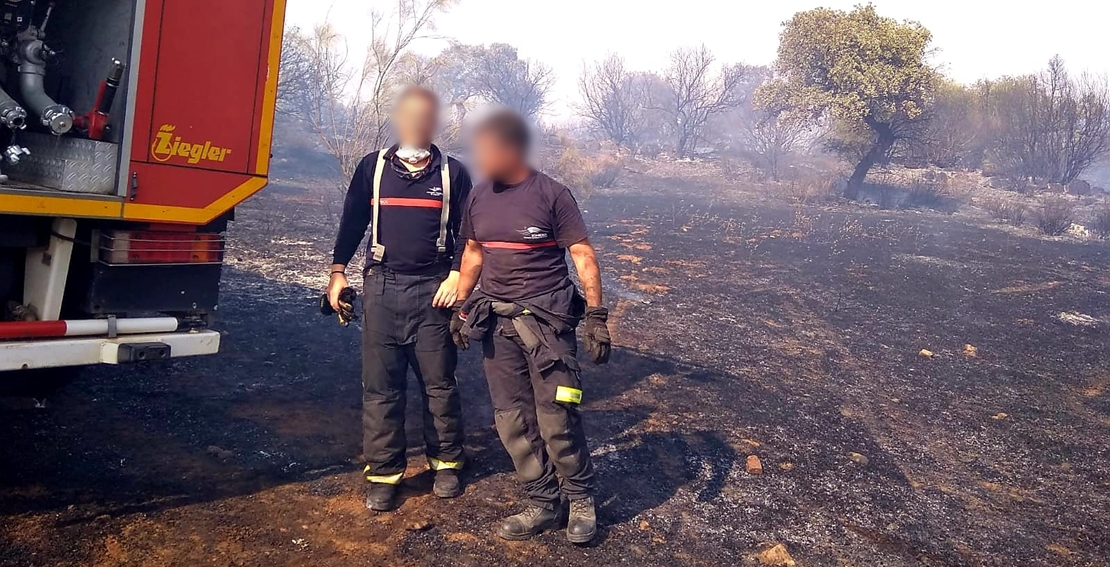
x=411, y=196
x=519, y=225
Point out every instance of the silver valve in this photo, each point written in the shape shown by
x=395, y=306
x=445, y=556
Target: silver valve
x=15, y=153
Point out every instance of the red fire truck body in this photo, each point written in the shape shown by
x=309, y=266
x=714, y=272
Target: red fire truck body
x=130, y=129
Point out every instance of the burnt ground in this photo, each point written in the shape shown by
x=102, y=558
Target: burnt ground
x=746, y=326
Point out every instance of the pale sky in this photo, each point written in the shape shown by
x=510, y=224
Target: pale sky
x=975, y=38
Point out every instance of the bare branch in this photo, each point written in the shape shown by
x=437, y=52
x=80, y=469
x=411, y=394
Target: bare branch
x=696, y=95
x=521, y=84
x=612, y=102
x=347, y=104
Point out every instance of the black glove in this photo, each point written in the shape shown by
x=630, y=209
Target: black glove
x=346, y=311
x=458, y=327
x=599, y=344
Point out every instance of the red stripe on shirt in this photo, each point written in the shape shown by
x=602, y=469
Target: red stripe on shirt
x=518, y=245
x=421, y=203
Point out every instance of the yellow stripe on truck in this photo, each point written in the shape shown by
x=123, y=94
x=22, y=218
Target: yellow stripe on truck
x=116, y=208
x=54, y=206
x=171, y=214
x=269, y=100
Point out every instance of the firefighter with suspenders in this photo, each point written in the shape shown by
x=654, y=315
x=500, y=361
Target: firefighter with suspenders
x=411, y=196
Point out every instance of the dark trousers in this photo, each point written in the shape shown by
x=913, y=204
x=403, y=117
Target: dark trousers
x=537, y=416
x=402, y=330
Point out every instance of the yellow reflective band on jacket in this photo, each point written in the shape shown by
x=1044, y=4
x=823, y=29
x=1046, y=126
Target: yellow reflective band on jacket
x=383, y=479
x=568, y=395
x=438, y=465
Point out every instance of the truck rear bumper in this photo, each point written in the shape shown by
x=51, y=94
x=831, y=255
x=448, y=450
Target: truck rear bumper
x=56, y=353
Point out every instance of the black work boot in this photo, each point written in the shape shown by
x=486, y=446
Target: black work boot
x=533, y=521
x=582, y=523
x=447, y=484
x=381, y=497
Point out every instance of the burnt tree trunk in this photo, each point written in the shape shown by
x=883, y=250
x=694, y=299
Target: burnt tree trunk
x=883, y=142
x=682, y=145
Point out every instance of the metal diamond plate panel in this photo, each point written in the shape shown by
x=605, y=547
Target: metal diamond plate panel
x=67, y=164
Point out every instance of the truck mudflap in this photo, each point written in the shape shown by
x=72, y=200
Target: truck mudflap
x=77, y=351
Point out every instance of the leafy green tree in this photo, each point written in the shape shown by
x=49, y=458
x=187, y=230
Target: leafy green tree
x=854, y=66
x=954, y=126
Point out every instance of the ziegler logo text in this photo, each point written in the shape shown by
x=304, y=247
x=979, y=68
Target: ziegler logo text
x=167, y=146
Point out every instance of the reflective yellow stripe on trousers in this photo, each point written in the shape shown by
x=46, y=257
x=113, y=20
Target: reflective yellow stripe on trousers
x=383, y=479
x=568, y=395
x=438, y=465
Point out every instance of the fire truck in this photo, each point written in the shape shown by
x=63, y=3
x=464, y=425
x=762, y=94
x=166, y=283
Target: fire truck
x=129, y=131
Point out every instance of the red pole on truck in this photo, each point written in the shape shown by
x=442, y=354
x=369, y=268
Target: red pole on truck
x=86, y=328
x=32, y=330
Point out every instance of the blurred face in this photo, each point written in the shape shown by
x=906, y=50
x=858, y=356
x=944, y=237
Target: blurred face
x=495, y=159
x=415, y=120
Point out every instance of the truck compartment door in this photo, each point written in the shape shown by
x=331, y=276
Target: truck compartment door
x=206, y=83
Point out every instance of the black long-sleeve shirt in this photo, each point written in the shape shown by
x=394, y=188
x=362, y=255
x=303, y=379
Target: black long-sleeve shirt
x=409, y=215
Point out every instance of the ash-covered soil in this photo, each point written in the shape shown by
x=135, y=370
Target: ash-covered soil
x=746, y=327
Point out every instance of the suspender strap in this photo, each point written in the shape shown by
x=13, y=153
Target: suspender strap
x=445, y=212
x=377, y=251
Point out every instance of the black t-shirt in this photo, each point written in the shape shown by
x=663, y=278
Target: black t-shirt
x=524, y=231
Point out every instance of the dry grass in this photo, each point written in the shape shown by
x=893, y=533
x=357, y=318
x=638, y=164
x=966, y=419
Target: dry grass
x=925, y=193
x=605, y=169
x=902, y=188
x=810, y=188
x=1056, y=216
x=1007, y=211
x=570, y=167
x=1101, y=222
x=581, y=172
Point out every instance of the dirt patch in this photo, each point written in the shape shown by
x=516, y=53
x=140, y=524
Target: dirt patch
x=1028, y=287
x=633, y=281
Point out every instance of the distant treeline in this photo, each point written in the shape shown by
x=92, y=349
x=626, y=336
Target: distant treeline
x=854, y=83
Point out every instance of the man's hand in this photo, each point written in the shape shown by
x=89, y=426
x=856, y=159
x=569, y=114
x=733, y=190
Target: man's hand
x=336, y=286
x=458, y=328
x=599, y=343
x=448, y=292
